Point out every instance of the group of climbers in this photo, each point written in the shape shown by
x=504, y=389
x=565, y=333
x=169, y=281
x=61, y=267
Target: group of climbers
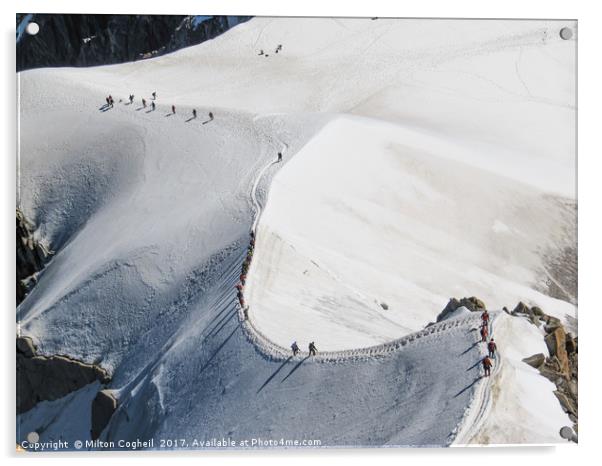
x=153, y=106
x=277, y=50
x=243, y=276
x=312, y=348
x=491, y=346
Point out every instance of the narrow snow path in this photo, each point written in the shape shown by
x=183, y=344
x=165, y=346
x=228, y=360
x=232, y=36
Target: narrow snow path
x=481, y=403
x=256, y=204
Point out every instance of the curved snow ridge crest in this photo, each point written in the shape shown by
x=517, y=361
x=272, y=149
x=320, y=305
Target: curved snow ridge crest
x=481, y=401
x=276, y=352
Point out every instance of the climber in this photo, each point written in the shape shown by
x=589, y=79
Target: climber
x=173, y=109
x=153, y=106
x=111, y=101
x=210, y=116
x=108, y=101
x=154, y=94
x=131, y=98
x=487, y=366
x=312, y=349
x=144, y=103
x=194, y=113
x=279, y=156
x=261, y=52
x=484, y=333
x=295, y=348
x=485, y=317
x=492, y=347
x=279, y=48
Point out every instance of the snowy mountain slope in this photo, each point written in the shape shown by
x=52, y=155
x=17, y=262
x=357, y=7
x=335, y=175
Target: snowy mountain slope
x=519, y=391
x=149, y=216
x=369, y=213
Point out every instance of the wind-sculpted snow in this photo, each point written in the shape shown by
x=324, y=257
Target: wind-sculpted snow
x=149, y=214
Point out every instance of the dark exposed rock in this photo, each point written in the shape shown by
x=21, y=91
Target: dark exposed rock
x=537, y=311
x=87, y=40
x=521, y=308
x=536, y=360
x=571, y=344
x=31, y=256
x=103, y=407
x=41, y=378
x=473, y=304
x=566, y=403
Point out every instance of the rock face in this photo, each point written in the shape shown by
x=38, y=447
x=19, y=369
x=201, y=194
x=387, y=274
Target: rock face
x=561, y=367
x=536, y=360
x=556, y=342
x=103, y=407
x=42, y=378
x=31, y=257
x=87, y=40
x=473, y=304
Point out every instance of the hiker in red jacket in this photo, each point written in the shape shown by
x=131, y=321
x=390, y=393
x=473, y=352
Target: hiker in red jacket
x=485, y=317
x=492, y=348
x=487, y=366
x=484, y=333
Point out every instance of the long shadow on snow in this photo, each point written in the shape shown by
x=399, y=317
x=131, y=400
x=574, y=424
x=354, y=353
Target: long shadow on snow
x=467, y=387
x=215, y=353
x=216, y=330
x=269, y=379
x=295, y=368
x=469, y=348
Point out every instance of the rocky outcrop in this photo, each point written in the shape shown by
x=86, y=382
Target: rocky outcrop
x=31, y=257
x=561, y=367
x=103, y=407
x=88, y=40
x=536, y=360
x=473, y=304
x=41, y=378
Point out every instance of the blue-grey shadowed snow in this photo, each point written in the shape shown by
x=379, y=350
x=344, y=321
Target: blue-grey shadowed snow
x=414, y=396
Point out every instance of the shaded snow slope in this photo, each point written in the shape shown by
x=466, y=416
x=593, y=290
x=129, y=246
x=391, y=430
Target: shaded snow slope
x=149, y=216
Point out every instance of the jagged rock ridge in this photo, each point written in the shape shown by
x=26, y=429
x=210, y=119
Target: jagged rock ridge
x=88, y=40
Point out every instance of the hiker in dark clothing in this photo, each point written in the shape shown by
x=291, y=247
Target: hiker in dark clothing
x=111, y=100
x=492, y=347
x=144, y=103
x=312, y=349
x=194, y=113
x=279, y=156
x=108, y=101
x=295, y=348
x=211, y=116
x=153, y=106
x=131, y=98
x=154, y=94
x=173, y=109
x=487, y=366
